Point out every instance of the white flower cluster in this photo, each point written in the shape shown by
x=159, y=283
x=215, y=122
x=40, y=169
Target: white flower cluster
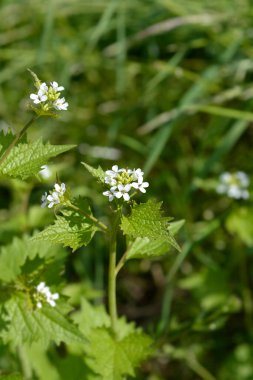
x=121, y=181
x=55, y=197
x=234, y=185
x=44, y=295
x=49, y=97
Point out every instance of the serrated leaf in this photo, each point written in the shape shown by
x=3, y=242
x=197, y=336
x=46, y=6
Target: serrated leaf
x=146, y=221
x=97, y=173
x=14, y=256
x=27, y=325
x=71, y=230
x=112, y=358
x=26, y=160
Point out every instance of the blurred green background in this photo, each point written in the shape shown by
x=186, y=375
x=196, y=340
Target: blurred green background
x=165, y=86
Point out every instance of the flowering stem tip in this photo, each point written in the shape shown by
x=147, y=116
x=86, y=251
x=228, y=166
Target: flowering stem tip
x=122, y=181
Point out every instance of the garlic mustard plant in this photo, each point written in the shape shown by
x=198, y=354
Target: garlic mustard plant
x=234, y=185
x=131, y=230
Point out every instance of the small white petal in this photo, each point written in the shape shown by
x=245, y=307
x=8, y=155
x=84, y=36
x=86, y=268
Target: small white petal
x=121, y=187
x=52, y=303
x=126, y=196
x=39, y=305
x=57, y=187
x=41, y=286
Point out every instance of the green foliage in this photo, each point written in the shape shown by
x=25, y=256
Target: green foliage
x=23, y=256
x=72, y=230
x=25, y=325
x=164, y=86
x=96, y=173
x=109, y=356
x=113, y=359
x=25, y=160
x=145, y=247
x=90, y=317
x=151, y=230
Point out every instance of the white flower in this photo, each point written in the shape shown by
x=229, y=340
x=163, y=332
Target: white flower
x=56, y=87
x=44, y=200
x=38, y=98
x=53, y=199
x=234, y=185
x=110, y=193
x=41, y=95
x=60, y=104
x=45, y=295
x=41, y=287
x=123, y=192
x=140, y=186
x=114, y=172
x=137, y=174
x=51, y=299
x=110, y=180
x=60, y=189
x=43, y=88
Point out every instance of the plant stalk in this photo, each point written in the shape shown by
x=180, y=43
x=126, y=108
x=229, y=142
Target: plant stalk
x=18, y=137
x=112, y=273
x=101, y=225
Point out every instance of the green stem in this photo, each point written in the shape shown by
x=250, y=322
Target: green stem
x=112, y=273
x=101, y=225
x=18, y=137
x=121, y=262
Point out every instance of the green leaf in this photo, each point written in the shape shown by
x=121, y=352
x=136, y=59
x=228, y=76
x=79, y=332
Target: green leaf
x=44, y=325
x=240, y=222
x=14, y=256
x=39, y=361
x=112, y=358
x=174, y=227
x=97, y=173
x=5, y=140
x=146, y=221
x=71, y=230
x=145, y=247
x=91, y=316
x=26, y=160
